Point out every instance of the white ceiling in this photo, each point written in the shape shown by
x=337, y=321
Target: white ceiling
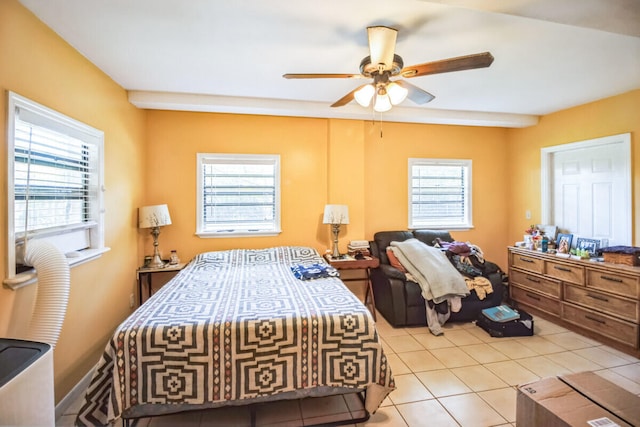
x=206, y=55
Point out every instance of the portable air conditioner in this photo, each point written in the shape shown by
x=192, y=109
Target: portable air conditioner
x=26, y=383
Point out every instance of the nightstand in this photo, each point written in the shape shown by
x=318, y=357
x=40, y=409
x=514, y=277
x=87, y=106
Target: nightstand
x=350, y=263
x=145, y=274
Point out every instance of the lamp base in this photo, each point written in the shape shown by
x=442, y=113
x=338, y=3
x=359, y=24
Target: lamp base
x=156, y=262
x=336, y=230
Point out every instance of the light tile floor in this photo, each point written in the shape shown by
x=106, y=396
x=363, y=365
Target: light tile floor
x=462, y=378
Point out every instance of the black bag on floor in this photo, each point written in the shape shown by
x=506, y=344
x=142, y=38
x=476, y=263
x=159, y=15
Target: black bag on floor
x=521, y=327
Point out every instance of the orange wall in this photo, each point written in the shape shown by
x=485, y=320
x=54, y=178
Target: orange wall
x=349, y=162
x=174, y=139
x=387, y=177
x=611, y=116
x=36, y=63
x=323, y=161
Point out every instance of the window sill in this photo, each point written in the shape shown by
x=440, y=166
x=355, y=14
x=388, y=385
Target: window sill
x=442, y=227
x=74, y=258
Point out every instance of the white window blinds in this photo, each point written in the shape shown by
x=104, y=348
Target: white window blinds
x=439, y=193
x=53, y=172
x=238, y=194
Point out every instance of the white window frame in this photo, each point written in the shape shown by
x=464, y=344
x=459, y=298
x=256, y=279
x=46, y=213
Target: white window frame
x=208, y=158
x=443, y=223
x=80, y=243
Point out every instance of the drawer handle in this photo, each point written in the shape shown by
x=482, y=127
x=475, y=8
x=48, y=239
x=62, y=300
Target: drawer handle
x=537, y=298
x=595, y=320
x=557, y=267
x=598, y=297
x=611, y=279
x=534, y=280
x=526, y=260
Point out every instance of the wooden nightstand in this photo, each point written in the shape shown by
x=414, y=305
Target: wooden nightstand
x=145, y=273
x=365, y=264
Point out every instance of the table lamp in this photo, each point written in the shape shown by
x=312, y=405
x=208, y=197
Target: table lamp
x=336, y=215
x=154, y=217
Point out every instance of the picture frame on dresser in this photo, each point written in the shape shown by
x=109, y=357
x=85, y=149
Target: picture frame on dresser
x=591, y=245
x=564, y=243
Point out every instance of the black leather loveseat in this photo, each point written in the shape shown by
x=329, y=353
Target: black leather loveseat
x=401, y=301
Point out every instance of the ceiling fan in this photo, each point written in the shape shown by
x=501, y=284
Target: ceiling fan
x=383, y=63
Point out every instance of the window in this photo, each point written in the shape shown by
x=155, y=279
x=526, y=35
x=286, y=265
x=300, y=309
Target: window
x=238, y=195
x=440, y=193
x=55, y=171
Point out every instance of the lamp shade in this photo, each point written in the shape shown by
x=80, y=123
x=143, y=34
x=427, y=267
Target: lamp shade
x=382, y=103
x=396, y=93
x=336, y=214
x=153, y=216
x=364, y=95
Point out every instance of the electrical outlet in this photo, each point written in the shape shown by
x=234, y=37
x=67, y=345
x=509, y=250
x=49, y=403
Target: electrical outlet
x=132, y=301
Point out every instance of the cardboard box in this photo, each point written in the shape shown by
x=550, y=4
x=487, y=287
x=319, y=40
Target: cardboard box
x=582, y=399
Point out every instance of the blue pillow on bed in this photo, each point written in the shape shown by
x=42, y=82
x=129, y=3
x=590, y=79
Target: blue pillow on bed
x=313, y=271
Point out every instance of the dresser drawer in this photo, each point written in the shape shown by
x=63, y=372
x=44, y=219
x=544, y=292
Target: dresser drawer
x=534, y=299
x=618, y=330
x=565, y=272
x=616, y=306
x=528, y=263
x=613, y=282
x=537, y=283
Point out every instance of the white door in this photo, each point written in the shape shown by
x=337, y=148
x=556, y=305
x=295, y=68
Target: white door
x=589, y=188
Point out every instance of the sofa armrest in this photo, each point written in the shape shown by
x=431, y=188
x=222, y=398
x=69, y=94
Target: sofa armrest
x=392, y=272
x=390, y=294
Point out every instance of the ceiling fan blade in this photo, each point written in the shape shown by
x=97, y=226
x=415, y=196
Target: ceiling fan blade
x=321, y=76
x=382, y=46
x=468, y=62
x=347, y=98
x=417, y=95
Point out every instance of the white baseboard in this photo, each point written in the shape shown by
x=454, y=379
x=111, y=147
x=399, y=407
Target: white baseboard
x=76, y=393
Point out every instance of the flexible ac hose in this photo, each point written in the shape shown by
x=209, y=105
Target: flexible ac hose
x=52, y=295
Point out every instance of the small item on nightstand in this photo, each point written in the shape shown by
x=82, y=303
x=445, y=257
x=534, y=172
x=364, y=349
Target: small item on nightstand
x=147, y=261
x=173, y=260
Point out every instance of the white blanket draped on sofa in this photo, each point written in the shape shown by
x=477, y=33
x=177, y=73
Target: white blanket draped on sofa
x=437, y=277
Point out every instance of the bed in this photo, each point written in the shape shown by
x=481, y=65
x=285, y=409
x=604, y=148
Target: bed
x=237, y=327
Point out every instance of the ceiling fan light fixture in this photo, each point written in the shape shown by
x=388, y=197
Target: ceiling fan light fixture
x=364, y=95
x=382, y=44
x=396, y=93
x=383, y=63
x=382, y=103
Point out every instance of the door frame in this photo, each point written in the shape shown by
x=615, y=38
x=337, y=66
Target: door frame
x=546, y=171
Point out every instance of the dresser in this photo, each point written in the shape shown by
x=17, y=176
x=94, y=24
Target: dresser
x=597, y=299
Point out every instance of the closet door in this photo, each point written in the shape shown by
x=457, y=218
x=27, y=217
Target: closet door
x=590, y=189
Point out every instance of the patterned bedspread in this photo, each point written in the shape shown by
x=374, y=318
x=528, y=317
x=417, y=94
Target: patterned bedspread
x=237, y=327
